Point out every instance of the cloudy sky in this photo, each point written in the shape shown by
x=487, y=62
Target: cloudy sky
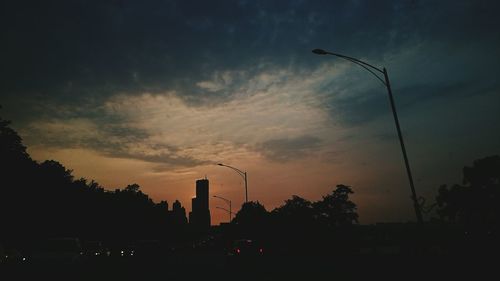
x=158, y=92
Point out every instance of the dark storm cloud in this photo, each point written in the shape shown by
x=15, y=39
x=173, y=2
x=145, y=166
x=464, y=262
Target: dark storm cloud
x=67, y=51
x=368, y=105
x=289, y=149
x=167, y=159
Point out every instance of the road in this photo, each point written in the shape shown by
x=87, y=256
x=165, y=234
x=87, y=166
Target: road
x=214, y=265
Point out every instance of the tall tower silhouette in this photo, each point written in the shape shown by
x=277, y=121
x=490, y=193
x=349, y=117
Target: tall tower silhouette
x=200, y=214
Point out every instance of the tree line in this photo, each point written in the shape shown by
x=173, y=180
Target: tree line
x=300, y=225
x=45, y=199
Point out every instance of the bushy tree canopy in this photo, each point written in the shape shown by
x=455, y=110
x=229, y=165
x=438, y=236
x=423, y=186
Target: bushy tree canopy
x=476, y=201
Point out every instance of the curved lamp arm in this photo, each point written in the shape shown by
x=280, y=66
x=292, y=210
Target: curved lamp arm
x=240, y=172
x=370, y=68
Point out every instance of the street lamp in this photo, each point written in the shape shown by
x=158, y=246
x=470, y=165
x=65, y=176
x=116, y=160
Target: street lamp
x=227, y=201
x=372, y=69
x=242, y=174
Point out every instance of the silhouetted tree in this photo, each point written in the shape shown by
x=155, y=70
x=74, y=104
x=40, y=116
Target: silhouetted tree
x=15, y=163
x=11, y=147
x=251, y=213
x=132, y=188
x=294, y=224
x=55, y=174
x=17, y=179
x=251, y=221
x=336, y=209
x=477, y=201
x=296, y=210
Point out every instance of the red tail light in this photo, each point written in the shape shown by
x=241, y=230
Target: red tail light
x=261, y=250
x=238, y=251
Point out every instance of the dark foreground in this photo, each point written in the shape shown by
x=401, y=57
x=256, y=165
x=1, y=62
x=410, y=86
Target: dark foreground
x=214, y=265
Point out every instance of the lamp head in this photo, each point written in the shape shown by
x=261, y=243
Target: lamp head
x=320, y=52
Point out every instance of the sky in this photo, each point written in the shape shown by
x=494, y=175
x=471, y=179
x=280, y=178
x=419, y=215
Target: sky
x=158, y=92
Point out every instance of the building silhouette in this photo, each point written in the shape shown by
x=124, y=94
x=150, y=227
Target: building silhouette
x=199, y=217
x=178, y=213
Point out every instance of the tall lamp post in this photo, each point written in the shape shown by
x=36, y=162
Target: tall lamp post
x=242, y=174
x=373, y=70
x=229, y=202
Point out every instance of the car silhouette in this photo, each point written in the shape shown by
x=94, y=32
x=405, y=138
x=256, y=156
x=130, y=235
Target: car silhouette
x=245, y=248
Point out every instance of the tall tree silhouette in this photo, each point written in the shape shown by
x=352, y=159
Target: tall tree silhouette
x=296, y=210
x=17, y=177
x=251, y=220
x=251, y=213
x=477, y=201
x=336, y=209
x=11, y=147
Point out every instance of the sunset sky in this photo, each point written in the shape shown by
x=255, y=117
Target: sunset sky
x=158, y=92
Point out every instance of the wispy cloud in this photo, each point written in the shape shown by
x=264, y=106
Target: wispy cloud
x=289, y=149
x=273, y=110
